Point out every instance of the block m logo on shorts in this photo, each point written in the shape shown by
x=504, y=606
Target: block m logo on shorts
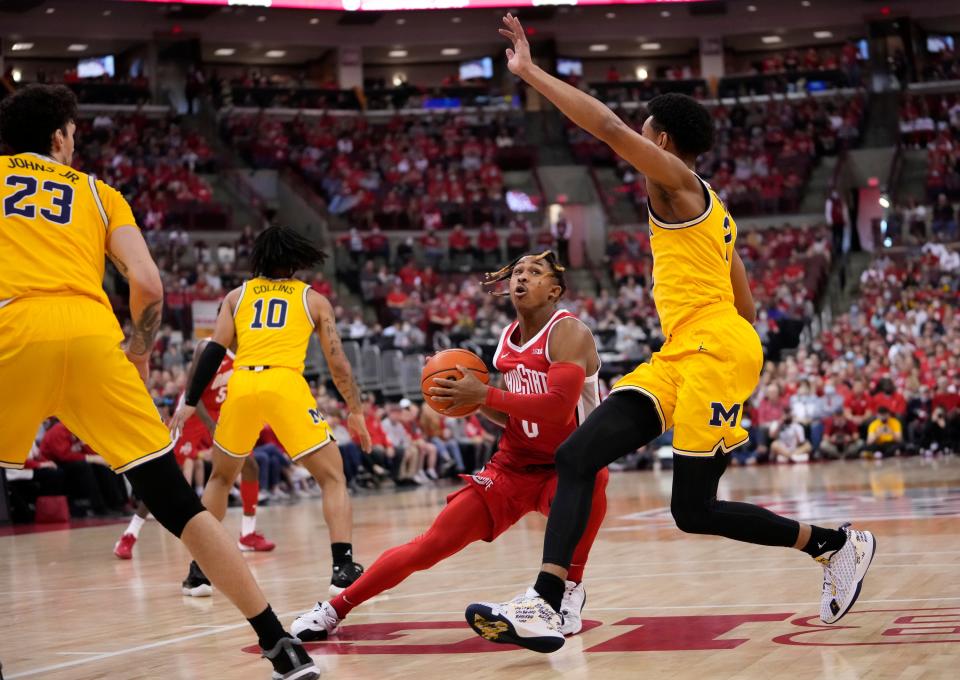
x=315, y=415
x=724, y=416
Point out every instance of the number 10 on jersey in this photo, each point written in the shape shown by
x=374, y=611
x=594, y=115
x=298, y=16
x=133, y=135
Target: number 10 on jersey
x=276, y=313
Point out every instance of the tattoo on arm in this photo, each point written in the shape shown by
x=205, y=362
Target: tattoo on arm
x=145, y=328
x=339, y=366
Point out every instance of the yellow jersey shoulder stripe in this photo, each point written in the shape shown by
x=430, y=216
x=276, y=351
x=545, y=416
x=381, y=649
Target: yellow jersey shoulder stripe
x=243, y=289
x=708, y=196
x=96, y=198
x=306, y=307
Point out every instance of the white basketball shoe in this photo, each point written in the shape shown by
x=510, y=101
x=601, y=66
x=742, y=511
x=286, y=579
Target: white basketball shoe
x=526, y=620
x=843, y=573
x=316, y=624
x=574, y=597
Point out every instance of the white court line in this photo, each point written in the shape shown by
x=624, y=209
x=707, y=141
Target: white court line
x=593, y=566
x=219, y=629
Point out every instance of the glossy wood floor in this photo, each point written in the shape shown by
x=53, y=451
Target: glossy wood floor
x=660, y=604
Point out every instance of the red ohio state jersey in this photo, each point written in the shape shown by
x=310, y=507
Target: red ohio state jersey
x=524, y=369
x=216, y=392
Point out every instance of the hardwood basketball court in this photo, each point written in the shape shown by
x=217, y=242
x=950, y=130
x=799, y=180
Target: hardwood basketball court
x=660, y=604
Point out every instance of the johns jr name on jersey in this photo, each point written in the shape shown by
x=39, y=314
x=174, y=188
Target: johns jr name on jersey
x=521, y=380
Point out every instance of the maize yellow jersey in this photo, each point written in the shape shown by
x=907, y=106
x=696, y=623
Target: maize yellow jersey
x=273, y=323
x=56, y=223
x=691, y=262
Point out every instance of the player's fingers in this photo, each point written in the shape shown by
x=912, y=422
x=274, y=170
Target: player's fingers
x=510, y=53
x=444, y=382
x=441, y=392
x=465, y=372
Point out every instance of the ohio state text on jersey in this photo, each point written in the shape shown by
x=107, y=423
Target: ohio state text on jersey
x=524, y=369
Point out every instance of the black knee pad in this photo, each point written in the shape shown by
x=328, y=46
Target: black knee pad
x=160, y=484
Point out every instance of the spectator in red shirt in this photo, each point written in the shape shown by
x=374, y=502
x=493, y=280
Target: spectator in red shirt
x=488, y=243
x=377, y=244
x=432, y=248
x=858, y=406
x=321, y=285
x=460, y=246
x=518, y=241
x=887, y=397
x=841, y=438
x=92, y=487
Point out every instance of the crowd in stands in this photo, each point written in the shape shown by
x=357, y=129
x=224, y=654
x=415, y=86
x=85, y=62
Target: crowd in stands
x=788, y=71
x=411, y=172
x=942, y=65
x=153, y=162
x=763, y=155
x=881, y=380
x=103, y=89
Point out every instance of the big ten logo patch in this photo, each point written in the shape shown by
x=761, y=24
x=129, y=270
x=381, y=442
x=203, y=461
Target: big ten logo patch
x=871, y=627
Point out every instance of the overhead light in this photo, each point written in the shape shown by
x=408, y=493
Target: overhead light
x=224, y=51
x=261, y=19
x=884, y=202
x=17, y=75
x=107, y=12
x=398, y=54
x=771, y=39
x=641, y=73
x=276, y=54
x=401, y=21
x=600, y=47
x=21, y=47
x=456, y=20
x=77, y=47
x=398, y=79
x=805, y=3
x=50, y=10
x=314, y=21
x=823, y=35
x=665, y=13
x=751, y=8
x=611, y=15
x=650, y=46
x=450, y=51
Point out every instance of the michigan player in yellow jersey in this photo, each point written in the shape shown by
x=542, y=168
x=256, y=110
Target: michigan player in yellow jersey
x=272, y=317
x=696, y=384
x=60, y=344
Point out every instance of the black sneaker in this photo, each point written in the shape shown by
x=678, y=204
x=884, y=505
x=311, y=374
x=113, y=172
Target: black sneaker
x=197, y=584
x=291, y=661
x=343, y=576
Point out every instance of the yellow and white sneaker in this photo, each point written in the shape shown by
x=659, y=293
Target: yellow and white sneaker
x=843, y=573
x=526, y=620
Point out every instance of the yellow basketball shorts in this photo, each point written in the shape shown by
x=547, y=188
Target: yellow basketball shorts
x=278, y=397
x=699, y=381
x=60, y=356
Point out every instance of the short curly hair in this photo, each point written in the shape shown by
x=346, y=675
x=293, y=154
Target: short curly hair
x=686, y=120
x=29, y=117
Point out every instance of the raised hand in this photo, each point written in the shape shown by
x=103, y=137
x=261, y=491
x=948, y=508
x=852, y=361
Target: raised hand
x=518, y=57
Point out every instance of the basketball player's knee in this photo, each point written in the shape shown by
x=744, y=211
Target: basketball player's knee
x=163, y=489
x=691, y=519
x=572, y=459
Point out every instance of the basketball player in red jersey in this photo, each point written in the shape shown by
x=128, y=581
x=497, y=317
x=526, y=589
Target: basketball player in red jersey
x=549, y=362
x=196, y=438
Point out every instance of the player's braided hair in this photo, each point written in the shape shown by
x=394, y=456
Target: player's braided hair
x=278, y=252
x=491, y=279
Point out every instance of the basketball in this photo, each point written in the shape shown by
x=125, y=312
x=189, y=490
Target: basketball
x=444, y=365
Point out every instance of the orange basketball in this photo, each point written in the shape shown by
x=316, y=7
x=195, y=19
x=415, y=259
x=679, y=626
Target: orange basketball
x=444, y=365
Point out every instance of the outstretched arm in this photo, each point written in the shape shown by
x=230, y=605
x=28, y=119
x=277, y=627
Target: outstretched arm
x=592, y=115
x=322, y=313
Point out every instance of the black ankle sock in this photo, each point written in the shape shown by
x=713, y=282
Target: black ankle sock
x=268, y=627
x=342, y=553
x=550, y=587
x=824, y=540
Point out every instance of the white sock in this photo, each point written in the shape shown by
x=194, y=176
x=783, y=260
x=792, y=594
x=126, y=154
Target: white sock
x=248, y=525
x=136, y=522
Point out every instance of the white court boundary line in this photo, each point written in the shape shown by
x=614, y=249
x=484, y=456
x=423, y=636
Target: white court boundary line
x=766, y=562
x=221, y=629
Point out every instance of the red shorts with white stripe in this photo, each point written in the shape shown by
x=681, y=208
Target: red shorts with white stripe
x=511, y=491
x=194, y=439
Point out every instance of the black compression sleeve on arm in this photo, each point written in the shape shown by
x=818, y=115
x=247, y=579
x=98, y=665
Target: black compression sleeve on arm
x=207, y=367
